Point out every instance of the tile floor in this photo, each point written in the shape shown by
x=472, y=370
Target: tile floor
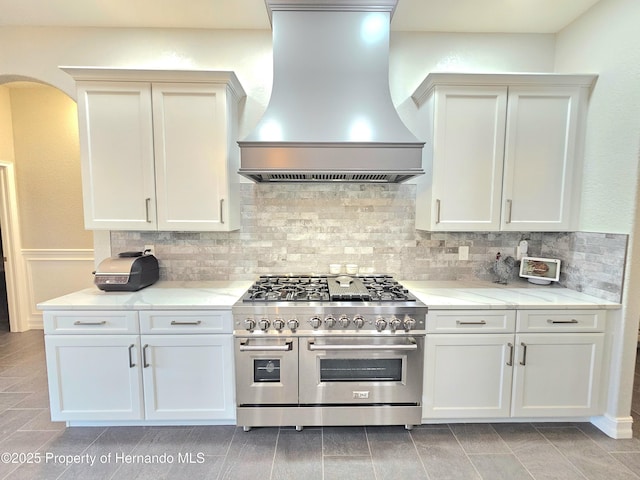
x=456, y=452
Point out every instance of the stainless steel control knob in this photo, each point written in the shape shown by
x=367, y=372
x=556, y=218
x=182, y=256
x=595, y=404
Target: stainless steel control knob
x=409, y=323
x=329, y=321
x=358, y=321
x=343, y=321
x=395, y=323
x=264, y=323
x=293, y=324
x=381, y=324
x=278, y=324
x=315, y=321
x=249, y=324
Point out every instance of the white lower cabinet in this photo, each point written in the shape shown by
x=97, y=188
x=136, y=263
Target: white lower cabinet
x=94, y=377
x=188, y=377
x=183, y=374
x=514, y=374
x=557, y=374
x=467, y=376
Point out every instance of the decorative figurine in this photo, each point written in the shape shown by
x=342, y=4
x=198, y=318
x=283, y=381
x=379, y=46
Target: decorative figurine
x=503, y=268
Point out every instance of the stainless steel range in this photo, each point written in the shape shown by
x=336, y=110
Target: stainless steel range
x=328, y=350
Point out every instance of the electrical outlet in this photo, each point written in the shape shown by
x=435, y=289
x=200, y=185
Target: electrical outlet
x=463, y=252
x=151, y=248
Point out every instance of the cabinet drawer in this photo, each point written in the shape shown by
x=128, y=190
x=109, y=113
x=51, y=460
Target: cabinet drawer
x=90, y=322
x=471, y=321
x=186, y=321
x=561, y=320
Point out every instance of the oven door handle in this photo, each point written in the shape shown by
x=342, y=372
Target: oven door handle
x=341, y=347
x=245, y=347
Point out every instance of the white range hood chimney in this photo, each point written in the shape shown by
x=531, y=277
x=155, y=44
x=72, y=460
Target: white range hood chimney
x=330, y=116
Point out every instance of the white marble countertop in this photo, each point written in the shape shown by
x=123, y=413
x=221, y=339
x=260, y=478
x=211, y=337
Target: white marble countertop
x=162, y=295
x=486, y=295
x=221, y=295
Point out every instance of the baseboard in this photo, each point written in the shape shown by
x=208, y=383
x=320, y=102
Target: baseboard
x=618, y=428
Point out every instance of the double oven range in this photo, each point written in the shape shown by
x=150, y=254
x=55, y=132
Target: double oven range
x=328, y=350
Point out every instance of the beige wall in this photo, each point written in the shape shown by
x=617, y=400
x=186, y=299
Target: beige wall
x=37, y=53
x=47, y=159
x=6, y=128
x=606, y=40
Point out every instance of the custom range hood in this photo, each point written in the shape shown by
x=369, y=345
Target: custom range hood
x=330, y=116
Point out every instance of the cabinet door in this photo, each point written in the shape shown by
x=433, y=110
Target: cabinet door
x=539, y=158
x=557, y=374
x=469, y=126
x=190, y=128
x=116, y=144
x=188, y=377
x=468, y=376
x=94, y=377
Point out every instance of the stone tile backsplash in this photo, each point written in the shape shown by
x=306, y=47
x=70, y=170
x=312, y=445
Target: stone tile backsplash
x=302, y=228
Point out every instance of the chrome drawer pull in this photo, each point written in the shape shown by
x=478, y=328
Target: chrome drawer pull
x=509, y=204
x=314, y=347
x=524, y=354
x=265, y=348
x=131, y=364
x=437, y=211
x=221, y=210
x=481, y=322
x=147, y=206
x=573, y=320
x=144, y=356
x=79, y=322
x=510, y=362
x=175, y=322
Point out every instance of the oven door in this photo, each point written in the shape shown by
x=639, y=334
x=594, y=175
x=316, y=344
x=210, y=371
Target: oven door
x=361, y=370
x=266, y=371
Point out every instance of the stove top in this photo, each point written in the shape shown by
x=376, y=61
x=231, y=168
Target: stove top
x=328, y=305
x=327, y=288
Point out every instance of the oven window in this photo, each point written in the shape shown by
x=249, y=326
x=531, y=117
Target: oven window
x=266, y=370
x=360, y=369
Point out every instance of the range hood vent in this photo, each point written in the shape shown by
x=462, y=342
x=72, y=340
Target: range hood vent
x=265, y=176
x=330, y=117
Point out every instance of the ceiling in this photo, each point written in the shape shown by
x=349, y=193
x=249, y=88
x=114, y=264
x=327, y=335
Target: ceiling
x=516, y=16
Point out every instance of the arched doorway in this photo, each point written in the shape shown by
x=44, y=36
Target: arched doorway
x=43, y=236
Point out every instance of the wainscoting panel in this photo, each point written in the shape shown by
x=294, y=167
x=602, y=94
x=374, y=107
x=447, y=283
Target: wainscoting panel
x=53, y=273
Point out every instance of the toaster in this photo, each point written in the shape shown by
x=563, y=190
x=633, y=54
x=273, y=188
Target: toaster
x=127, y=272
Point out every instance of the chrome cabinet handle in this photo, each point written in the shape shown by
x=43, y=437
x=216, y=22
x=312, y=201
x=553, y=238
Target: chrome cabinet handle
x=437, y=211
x=510, y=362
x=79, y=322
x=131, y=364
x=524, y=354
x=245, y=347
x=222, y=210
x=573, y=320
x=147, y=206
x=510, y=206
x=175, y=322
x=314, y=347
x=461, y=322
x=144, y=356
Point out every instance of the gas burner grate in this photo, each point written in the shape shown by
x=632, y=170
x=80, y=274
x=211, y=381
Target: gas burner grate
x=326, y=288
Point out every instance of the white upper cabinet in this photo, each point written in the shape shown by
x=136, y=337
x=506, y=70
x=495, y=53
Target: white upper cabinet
x=159, y=150
x=540, y=159
x=468, y=125
x=116, y=148
x=503, y=151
